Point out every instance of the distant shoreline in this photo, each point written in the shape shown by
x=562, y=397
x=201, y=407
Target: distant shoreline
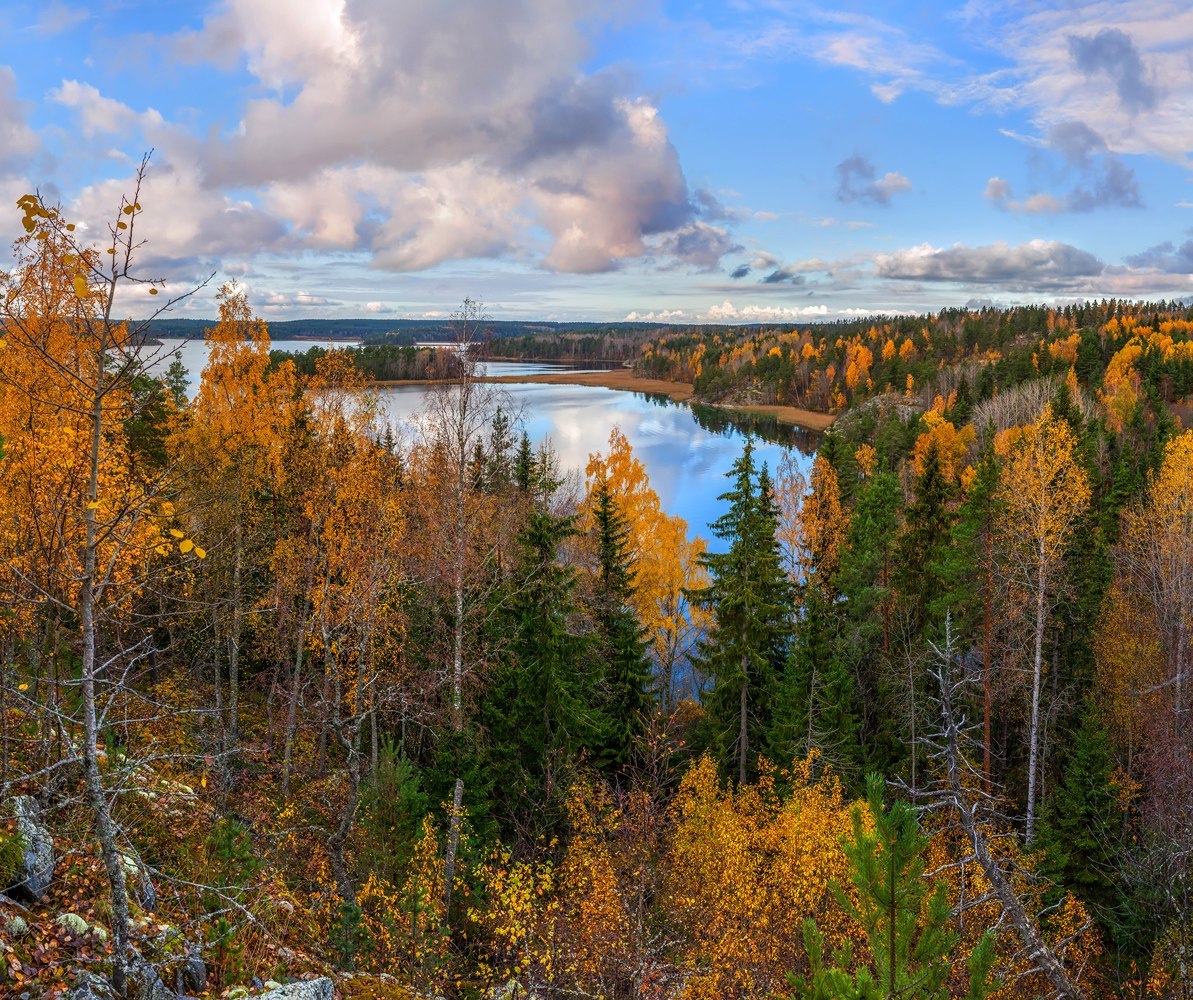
x=623, y=378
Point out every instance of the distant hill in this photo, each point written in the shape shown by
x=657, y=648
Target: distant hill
x=399, y=331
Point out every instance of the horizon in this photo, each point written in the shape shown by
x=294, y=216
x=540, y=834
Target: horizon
x=732, y=163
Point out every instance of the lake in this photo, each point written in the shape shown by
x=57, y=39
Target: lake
x=686, y=453
x=686, y=450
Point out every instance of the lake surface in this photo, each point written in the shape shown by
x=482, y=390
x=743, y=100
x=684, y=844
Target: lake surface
x=686, y=450
x=686, y=453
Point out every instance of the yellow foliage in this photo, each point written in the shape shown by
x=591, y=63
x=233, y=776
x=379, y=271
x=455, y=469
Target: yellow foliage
x=746, y=867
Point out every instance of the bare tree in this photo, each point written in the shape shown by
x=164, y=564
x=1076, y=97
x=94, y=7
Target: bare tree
x=958, y=792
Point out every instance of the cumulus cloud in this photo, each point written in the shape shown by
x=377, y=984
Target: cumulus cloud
x=1085, y=60
x=1112, y=52
x=727, y=312
x=858, y=180
x=188, y=230
x=786, y=274
x=287, y=300
x=655, y=316
x=1166, y=258
x=1038, y=264
x=425, y=133
x=99, y=115
x=1101, y=179
x=698, y=244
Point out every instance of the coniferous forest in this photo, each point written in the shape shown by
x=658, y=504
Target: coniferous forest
x=294, y=704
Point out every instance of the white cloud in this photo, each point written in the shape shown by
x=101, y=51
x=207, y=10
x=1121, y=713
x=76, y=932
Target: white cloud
x=99, y=115
x=727, y=312
x=659, y=316
x=424, y=133
x=1039, y=263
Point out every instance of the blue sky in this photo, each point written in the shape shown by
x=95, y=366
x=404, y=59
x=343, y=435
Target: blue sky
x=757, y=160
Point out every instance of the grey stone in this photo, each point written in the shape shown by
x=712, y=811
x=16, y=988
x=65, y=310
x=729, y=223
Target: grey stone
x=36, y=869
x=194, y=973
x=91, y=987
x=144, y=982
x=311, y=989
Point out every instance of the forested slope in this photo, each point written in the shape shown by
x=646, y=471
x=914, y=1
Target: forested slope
x=283, y=699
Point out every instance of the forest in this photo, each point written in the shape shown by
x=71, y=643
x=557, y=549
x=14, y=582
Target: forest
x=291, y=704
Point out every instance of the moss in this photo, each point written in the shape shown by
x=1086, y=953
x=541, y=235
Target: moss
x=12, y=850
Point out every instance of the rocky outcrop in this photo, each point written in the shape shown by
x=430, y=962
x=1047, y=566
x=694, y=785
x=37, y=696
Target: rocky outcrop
x=144, y=982
x=36, y=868
x=311, y=989
x=194, y=974
x=91, y=987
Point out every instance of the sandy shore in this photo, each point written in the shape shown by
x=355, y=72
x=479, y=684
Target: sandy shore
x=623, y=378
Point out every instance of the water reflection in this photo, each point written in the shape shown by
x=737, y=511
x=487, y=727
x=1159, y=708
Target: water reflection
x=686, y=451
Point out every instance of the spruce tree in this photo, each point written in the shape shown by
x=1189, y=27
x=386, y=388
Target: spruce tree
x=628, y=702
x=1083, y=819
x=542, y=708
x=925, y=538
x=866, y=582
x=749, y=595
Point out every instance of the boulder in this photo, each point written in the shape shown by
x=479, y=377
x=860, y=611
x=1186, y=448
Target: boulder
x=36, y=867
x=310, y=989
x=144, y=982
x=194, y=973
x=91, y=987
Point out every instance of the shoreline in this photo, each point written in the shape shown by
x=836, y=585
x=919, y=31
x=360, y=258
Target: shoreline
x=623, y=379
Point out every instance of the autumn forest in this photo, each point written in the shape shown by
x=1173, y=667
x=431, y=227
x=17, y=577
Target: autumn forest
x=292, y=704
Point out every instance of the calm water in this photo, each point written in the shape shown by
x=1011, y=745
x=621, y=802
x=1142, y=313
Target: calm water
x=686, y=451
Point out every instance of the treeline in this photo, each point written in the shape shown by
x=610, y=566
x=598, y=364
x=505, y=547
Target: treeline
x=833, y=368
x=379, y=362
x=286, y=693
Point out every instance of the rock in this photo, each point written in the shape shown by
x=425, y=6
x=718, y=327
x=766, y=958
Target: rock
x=194, y=973
x=15, y=927
x=144, y=982
x=36, y=868
x=91, y=987
x=311, y=989
x=73, y=923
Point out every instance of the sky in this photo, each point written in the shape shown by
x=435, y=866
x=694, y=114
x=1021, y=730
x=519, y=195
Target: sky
x=741, y=161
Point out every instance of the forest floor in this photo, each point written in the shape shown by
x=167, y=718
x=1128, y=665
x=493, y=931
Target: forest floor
x=623, y=378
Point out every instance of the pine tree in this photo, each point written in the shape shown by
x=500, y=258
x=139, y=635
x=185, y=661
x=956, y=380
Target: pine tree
x=905, y=916
x=749, y=595
x=628, y=703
